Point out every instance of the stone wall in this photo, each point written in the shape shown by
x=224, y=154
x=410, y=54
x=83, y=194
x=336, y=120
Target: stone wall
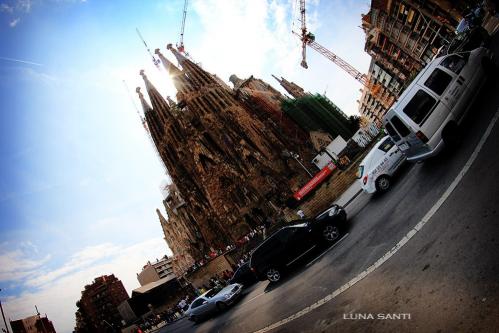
x=212, y=268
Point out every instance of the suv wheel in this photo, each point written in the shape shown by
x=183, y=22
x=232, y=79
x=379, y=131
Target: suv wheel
x=382, y=183
x=273, y=275
x=331, y=233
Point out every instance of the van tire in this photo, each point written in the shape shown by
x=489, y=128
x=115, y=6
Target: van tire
x=451, y=135
x=383, y=183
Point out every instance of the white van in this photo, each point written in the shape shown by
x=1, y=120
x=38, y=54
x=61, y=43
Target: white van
x=379, y=165
x=429, y=111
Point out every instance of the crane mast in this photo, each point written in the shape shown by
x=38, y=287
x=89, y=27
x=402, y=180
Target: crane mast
x=308, y=38
x=155, y=61
x=180, y=45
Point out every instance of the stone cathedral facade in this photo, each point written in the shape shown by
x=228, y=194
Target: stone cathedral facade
x=225, y=159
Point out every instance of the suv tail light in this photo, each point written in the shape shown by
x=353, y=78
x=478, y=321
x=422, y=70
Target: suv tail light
x=422, y=137
x=364, y=180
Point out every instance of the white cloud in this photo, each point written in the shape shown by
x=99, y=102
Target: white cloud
x=242, y=36
x=6, y=8
x=78, y=261
x=17, y=265
x=14, y=22
x=62, y=287
x=24, y=5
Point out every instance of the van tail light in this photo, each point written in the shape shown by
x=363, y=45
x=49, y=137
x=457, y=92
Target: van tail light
x=364, y=180
x=422, y=137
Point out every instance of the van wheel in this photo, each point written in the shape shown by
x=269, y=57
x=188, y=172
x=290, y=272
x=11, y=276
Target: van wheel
x=383, y=183
x=273, y=274
x=451, y=135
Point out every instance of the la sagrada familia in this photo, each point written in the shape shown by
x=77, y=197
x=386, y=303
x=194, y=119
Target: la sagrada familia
x=223, y=149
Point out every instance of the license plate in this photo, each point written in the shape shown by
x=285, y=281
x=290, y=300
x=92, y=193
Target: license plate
x=404, y=146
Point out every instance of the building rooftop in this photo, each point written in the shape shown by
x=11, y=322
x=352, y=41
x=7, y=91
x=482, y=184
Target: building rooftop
x=144, y=289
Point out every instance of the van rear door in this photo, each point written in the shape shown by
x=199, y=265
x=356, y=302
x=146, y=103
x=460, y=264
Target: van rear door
x=403, y=136
x=426, y=112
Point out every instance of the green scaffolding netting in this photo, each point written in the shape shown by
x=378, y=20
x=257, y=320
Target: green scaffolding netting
x=318, y=113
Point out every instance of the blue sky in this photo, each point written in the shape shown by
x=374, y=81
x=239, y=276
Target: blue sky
x=79, y=180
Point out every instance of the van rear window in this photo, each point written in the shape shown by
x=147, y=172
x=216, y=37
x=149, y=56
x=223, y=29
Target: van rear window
x=454, y=62
x=438, y=81
x=400, y=126
x=419, y=106
x=391, y=132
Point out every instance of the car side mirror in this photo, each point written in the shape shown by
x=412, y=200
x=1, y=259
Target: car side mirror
x=204, y=302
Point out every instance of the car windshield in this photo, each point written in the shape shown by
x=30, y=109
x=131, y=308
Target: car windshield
x=212, y=292
x=325, y=213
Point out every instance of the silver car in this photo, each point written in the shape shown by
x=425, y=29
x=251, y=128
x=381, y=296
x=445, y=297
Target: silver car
x=216, y=299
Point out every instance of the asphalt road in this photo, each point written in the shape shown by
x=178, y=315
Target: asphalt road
x=446, y=277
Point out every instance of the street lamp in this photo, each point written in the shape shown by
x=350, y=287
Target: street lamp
x=3, y=316
x=296, y=157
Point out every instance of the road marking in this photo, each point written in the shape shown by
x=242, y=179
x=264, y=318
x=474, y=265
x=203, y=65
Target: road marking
x=400, y=244
x=251, y=299
x=327, y=250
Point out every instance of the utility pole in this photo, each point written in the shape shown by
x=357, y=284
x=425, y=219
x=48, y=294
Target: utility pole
x=3, y=316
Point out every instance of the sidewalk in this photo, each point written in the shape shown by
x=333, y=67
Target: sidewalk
x=351, y=193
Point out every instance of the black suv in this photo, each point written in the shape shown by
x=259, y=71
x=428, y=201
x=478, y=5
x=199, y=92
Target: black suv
x=284, y=247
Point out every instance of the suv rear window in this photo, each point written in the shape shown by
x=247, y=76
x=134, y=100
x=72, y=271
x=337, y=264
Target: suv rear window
x=438, y=81
x=419, y=106
x=454, y=62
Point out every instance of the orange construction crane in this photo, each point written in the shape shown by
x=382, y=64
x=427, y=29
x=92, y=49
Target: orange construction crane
x=180, y=45
x=308, y=38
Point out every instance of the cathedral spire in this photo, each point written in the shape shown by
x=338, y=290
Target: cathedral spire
x=236, y=81
x=292, y=88
x=159, y=104
x=153, y=123
x=198, y=75
x=180, y=82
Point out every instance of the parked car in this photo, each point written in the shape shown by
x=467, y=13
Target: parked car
x=380, y=164
x=428, y=113
x=243, y=275
x=212, y=301
x=275, y=255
